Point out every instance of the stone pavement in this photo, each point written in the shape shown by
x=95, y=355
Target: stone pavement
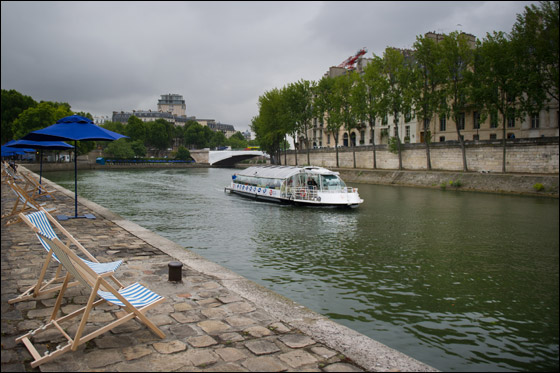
x=214, y=320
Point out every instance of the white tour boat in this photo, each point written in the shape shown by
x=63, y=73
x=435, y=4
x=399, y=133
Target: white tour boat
x=311, y=186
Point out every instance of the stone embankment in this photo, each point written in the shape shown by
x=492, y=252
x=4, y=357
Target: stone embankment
x=214, y=320
x=524, y=184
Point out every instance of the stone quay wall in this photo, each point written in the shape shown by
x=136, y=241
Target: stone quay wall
x=532, y=156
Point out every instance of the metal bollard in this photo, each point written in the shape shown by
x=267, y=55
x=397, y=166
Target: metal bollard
x=175, y=273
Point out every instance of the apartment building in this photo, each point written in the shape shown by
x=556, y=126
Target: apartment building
x=441, y=129
x=172, y=108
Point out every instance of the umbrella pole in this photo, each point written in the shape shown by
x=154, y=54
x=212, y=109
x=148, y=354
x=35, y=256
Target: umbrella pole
x=40, y=168
x=76, y=178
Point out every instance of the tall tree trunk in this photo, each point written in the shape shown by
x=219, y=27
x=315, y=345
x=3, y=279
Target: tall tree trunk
x=462, y=142
x=398, y=140
x=307, y=145
x=372, y=125
x=336, y=149
x=504, y=144
x=427, y=139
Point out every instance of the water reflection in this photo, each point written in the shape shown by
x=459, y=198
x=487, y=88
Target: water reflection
x=460, y=281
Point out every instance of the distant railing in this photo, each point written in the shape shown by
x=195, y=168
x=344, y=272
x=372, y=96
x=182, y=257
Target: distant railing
x=144, y=161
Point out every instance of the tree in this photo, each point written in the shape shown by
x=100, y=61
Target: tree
x=136, y=129
x=37, y=117
x=272, y=124
x=325, y=109
x=497, y=81
x=427, y=77
x=159, y=134
x=183, y=153
x=138, y=148
x=299, y=99
x=119, y=149
x=535, y=40
x=398, y=100
x=374, y=85
x=344, y=112
x=237, y=141
x=457, y=58
x=13, y=104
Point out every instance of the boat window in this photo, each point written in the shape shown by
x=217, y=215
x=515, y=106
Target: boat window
x=332, y=182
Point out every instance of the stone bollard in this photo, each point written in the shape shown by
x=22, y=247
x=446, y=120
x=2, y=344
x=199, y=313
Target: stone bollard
x=175, y=273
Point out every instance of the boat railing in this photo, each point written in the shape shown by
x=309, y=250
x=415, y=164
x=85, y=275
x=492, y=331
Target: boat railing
x=303, y=194
x=311, y=194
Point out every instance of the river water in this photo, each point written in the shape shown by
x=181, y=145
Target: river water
x=458, y=280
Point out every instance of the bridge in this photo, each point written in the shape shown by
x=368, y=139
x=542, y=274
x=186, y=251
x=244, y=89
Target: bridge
x=224, y=158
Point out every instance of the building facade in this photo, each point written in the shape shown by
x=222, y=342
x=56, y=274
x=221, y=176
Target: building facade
x=441, y=129
x=172, y=108
x=172, y=103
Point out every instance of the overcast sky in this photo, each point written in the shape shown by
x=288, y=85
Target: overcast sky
x=102, y=57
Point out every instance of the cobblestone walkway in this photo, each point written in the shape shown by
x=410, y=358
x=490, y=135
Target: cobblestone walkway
x=208, y=326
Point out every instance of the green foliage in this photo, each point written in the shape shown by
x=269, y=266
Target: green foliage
x=393, y=145
x=120, y=148
x=13, y=104
x=138, y=148
x=136, y=129
x=237, y=141
x=40, y=116
x=538, y=187
x=183, y=153
x=535, y=39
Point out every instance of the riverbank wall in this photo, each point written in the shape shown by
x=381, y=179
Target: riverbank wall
x=528, y=156
x=522, y=184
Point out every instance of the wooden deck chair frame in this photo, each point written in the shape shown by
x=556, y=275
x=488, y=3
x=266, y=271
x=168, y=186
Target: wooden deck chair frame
x=36, y=190
x=24, y=202
x=8, y=174
x=41, y=287
x=76, y=268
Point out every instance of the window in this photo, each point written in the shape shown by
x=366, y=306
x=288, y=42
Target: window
x=493, y=136
x=442, y=124
x=329, y=139
x=362, y=137
x=407, y=134
x=511, y=122
x=407, y=117
x=476, y=120
x=461, y=121
x=494, y=120
x=535, y=121
x=372, y=136
x=475, y=138
x=441, y=138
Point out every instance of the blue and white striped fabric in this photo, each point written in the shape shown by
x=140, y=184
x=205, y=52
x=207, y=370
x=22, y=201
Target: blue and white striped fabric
x=39, y=219
x=136, y=294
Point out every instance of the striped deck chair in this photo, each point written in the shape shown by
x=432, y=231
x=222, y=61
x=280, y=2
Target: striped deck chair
x=134, y=299
x=23, y=203
x=40, y=222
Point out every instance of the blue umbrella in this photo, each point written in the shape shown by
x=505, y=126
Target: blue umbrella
x=75, y=128
x=54, y=145
x=8, y=151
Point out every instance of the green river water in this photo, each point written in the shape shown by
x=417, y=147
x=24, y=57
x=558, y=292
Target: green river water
x=461, y=281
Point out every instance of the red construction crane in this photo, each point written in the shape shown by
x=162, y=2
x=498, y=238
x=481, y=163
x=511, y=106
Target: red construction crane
x=351, y=61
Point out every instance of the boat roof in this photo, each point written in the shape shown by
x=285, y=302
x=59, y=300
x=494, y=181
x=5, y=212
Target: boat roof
x=282, y=172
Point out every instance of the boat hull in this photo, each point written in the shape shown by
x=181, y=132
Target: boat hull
x=263, y=197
